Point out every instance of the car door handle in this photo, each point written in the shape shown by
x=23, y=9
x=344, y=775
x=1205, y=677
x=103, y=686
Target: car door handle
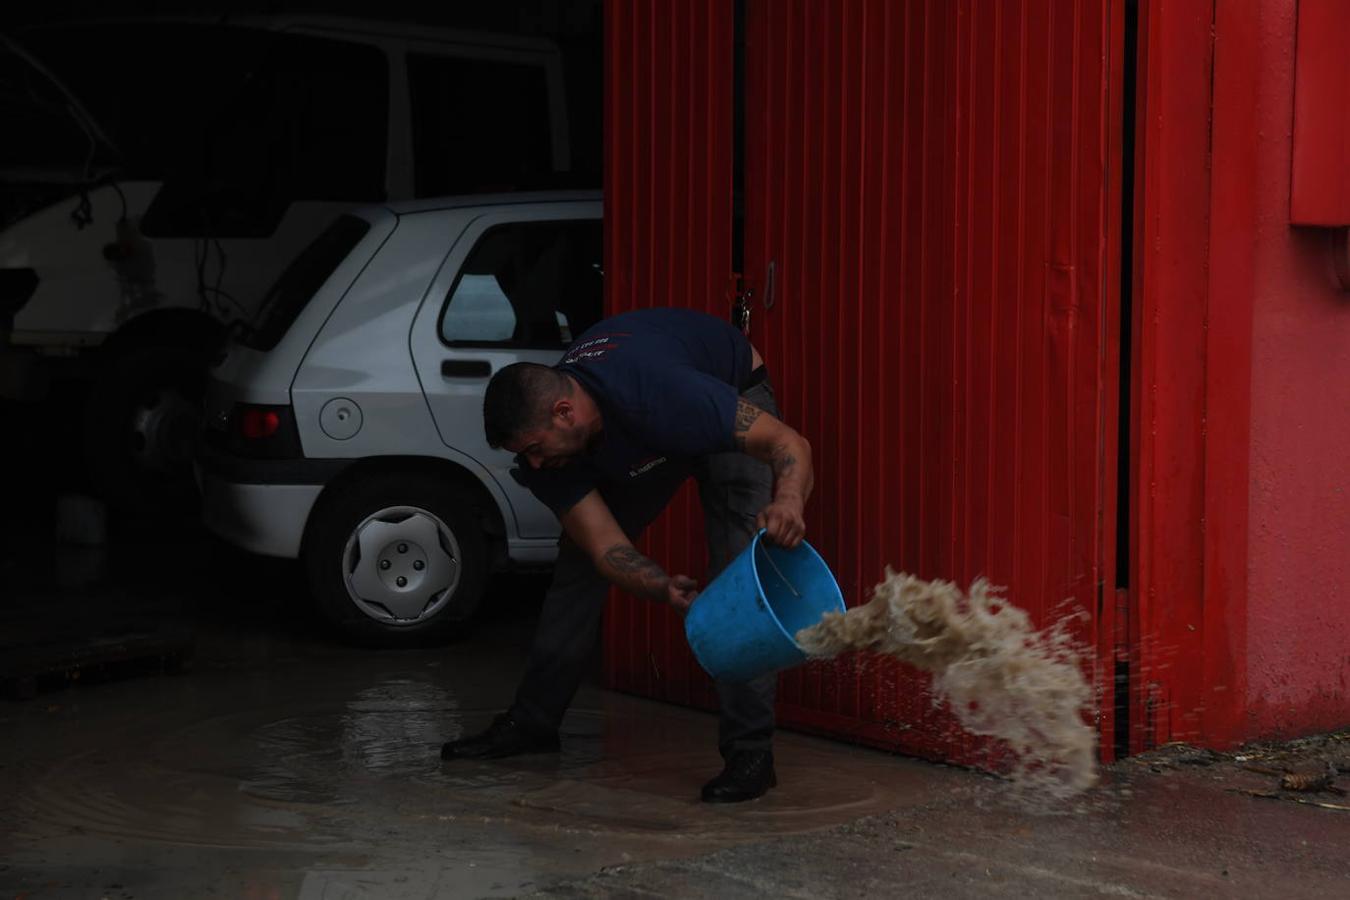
x=466, y=368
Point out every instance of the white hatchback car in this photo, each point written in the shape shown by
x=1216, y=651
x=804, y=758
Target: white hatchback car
x=346, y=428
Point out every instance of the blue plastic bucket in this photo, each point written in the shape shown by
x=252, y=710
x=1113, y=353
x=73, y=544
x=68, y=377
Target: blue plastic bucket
x=742, y=625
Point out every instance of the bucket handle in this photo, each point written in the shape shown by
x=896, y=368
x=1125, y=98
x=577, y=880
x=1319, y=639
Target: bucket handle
x=759, y=544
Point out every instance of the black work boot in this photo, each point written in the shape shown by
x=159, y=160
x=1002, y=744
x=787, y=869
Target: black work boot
x=504, y=737
x=747, y=775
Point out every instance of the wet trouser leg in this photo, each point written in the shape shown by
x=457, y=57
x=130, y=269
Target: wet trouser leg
x=569, y=621
x=733, y=489
x=569, y=624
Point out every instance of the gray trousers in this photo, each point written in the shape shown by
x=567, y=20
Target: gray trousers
x=733, y=489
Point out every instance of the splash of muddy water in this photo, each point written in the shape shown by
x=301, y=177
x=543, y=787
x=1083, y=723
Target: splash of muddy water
x=999, y=675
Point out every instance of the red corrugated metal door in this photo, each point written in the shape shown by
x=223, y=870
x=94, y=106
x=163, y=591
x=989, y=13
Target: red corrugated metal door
x=668, y=219
x=931, y=183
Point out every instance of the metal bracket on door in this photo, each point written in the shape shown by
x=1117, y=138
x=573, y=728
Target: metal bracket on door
x=744, y=303
x=740, y=307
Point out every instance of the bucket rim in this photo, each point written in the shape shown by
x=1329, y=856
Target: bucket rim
x=759, y=584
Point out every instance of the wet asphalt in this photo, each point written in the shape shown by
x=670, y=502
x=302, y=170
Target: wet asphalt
x=283, y=764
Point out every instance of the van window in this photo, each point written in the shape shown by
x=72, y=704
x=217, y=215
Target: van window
x=310, y=123
x=151, y=86
x=478, y=125
x=39, y=129
x=302, y=279
x=45, y=151
x=530, y=285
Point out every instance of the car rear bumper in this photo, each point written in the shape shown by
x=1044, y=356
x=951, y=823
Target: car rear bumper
x=261, y=505
x=261, y=518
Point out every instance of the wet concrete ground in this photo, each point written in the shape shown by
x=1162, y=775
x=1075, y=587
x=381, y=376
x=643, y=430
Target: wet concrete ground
x=285, y=765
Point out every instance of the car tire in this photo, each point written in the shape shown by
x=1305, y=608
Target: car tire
x=367, y=534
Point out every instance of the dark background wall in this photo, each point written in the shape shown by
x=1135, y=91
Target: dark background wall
x=575, y=25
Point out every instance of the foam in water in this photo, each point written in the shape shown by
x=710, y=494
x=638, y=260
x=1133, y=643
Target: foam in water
x=1000, y=676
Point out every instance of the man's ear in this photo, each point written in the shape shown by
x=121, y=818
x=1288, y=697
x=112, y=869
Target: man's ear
x=563, y=409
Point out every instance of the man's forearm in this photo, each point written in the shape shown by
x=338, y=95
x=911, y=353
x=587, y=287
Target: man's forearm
x=624, y=566
x=793, y=477
x=786, y=451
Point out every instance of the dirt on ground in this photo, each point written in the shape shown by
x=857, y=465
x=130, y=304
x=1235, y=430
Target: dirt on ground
x=1314, y=770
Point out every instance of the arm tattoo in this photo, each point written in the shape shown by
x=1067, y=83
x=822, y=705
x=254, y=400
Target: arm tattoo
x=783, y=462
x=746, y=414
x=634, y=571
x=625, y=558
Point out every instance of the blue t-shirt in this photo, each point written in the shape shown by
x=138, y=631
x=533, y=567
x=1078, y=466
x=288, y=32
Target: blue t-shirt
x=667, y=383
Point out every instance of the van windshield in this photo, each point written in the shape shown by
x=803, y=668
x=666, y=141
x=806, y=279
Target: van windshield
x=48, y=150
x=302, y=279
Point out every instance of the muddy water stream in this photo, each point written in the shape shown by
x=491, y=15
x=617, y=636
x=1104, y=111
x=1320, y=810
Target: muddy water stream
x=998, y=674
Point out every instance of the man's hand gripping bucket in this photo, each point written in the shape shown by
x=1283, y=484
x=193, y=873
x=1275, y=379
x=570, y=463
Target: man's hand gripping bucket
x=743, y=624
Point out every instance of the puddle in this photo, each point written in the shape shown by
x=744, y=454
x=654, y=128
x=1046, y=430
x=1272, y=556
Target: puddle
x=215, y=773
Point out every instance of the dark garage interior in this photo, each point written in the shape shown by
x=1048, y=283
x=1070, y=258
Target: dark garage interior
x=100, y=499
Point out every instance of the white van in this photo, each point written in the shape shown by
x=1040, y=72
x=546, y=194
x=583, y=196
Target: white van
x=196, y=165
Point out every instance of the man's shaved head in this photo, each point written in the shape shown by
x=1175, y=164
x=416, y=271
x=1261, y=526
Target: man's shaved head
x=520, y=398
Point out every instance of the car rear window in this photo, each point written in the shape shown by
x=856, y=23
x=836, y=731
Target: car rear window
x=302, y=280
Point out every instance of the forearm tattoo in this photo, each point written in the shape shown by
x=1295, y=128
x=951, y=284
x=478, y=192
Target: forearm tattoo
x=783, y=462
x=746, y=414
x=635, y=570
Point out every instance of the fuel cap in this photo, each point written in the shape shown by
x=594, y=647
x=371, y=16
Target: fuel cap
x=340, y=418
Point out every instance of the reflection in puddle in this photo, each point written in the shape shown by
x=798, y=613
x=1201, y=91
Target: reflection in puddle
x=343, y=774
x=389, y=730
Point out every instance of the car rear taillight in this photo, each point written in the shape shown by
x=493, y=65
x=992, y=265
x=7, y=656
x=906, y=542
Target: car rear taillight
x=258, y=422
x=264, y=431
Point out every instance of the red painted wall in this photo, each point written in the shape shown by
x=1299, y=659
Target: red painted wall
x=1298, y=628
x=1241, y=387
x=1321, y=183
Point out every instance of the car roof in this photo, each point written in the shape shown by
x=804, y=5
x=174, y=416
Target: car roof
x=469, y=201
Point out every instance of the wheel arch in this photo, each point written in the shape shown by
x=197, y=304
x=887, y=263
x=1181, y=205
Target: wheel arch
x=487, y=512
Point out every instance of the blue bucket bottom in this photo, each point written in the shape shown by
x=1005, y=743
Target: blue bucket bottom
x=743, y=624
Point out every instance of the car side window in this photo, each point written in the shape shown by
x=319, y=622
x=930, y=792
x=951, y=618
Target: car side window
x=531, y=285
